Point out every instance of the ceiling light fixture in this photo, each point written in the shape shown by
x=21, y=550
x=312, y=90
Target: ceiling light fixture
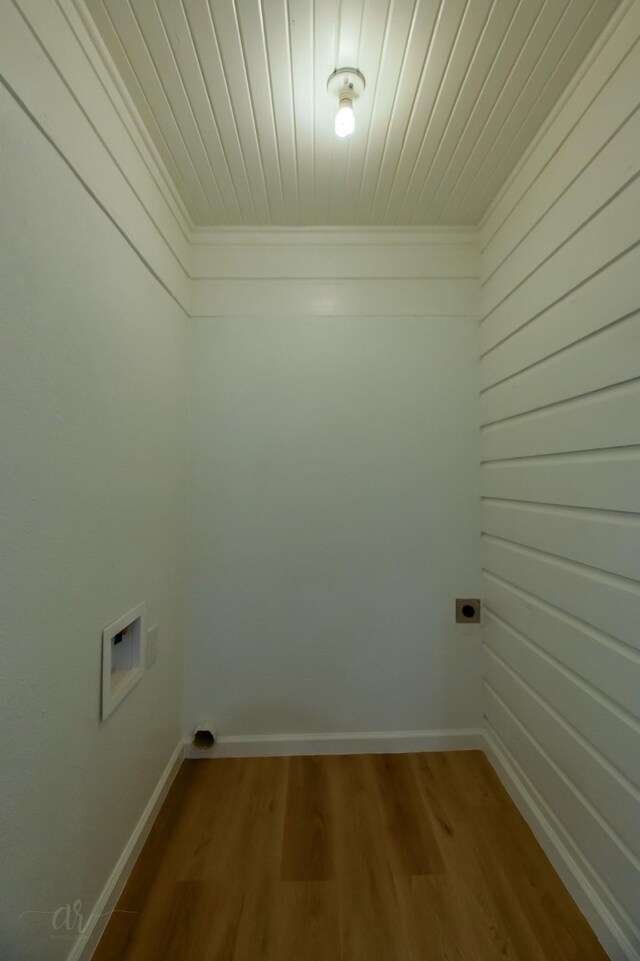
x=347, y=84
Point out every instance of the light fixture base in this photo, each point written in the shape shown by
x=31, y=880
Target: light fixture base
x=346, y=82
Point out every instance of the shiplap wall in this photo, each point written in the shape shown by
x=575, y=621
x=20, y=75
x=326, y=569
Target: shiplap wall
x=560, y=408
x=366, y=272
x=55, y=65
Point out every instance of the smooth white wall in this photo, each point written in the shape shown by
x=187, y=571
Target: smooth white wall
x=92, y=489
x=561, y=485
x=334, y=497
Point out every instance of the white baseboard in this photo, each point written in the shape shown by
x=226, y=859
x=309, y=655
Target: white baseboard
x=376, y=742
x=84, y=947
x=559, y=848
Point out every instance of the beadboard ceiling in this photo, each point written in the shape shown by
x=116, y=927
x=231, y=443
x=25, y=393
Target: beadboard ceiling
x=233, y=93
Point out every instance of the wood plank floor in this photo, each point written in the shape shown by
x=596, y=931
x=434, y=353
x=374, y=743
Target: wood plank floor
x=403, y=857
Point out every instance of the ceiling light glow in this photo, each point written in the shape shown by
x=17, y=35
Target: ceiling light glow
x=345, y=118
x=345, y=84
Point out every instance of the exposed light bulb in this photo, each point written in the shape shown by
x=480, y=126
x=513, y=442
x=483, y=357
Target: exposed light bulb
x=345, y=118
x=346, y=84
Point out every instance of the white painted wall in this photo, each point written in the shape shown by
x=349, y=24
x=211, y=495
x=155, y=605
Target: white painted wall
x=561, y=487
x=334, y=477
x=334, y=509
x=92, y=433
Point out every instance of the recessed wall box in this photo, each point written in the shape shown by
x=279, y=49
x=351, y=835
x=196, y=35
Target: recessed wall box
x=123, y=657
x=467, y=610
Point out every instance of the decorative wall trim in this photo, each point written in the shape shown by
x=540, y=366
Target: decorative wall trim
x=334, y=298
x=559, y=848
x=85, y=946
x=335, y=272
x=339, y=254
x=332, y=236
x=371, y=742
